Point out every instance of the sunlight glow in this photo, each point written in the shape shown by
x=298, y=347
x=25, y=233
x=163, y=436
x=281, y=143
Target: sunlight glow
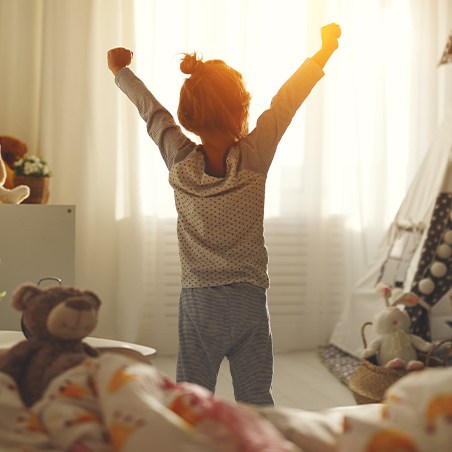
x=264, y=41
x=267, y=41
x=376, y=78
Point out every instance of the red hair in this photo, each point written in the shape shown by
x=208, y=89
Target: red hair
x=213, y=97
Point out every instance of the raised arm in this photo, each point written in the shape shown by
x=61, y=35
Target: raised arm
x=160, y=123
x=330, y=34
x=260, y=145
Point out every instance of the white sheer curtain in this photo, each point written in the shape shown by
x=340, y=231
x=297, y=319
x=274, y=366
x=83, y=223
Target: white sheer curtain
x=338, y=177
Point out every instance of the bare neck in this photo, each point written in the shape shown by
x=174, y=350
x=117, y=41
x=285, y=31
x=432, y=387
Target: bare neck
x=216, y=147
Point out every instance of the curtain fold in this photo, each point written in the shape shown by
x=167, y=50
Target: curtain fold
x=339, y=175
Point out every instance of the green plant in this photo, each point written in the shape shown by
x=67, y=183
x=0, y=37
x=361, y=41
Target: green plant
x=31, y=165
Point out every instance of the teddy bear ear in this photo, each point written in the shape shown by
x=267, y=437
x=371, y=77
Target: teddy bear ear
x=93, y=297
x=23, y=294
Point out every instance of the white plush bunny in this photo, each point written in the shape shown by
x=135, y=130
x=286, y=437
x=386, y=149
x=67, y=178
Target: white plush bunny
x=14, y=196
x=395, y=347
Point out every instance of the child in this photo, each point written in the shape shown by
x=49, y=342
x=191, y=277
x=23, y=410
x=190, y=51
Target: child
x=219, y=189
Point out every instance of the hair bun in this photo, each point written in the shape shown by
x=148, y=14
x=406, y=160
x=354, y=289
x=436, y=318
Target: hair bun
x=191, y=64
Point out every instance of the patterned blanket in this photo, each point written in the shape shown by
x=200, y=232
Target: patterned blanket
x=115, y=403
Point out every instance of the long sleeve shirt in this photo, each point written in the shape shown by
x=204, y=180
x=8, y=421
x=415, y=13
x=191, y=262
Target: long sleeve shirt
x=220, y=219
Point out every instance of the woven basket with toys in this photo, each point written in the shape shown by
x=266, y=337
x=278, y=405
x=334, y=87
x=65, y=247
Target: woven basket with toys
x=394, y=352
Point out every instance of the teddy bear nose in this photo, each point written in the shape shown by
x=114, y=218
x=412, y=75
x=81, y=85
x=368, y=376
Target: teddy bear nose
x=79, y=304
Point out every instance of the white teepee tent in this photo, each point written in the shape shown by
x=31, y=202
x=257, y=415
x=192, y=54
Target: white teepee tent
x=416, y=253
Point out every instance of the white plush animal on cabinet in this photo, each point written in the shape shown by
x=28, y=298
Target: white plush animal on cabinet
x=11, y=196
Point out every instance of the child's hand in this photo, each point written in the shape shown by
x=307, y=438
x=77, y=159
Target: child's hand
x=118, y=58
x=330, y=34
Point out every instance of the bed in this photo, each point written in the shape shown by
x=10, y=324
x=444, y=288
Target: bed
x=117, y=402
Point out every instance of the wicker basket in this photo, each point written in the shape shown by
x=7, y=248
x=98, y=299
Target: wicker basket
x=369, y=381
x=39, y=188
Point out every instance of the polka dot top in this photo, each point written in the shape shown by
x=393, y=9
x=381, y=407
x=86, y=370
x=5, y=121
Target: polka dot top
x=220, y=219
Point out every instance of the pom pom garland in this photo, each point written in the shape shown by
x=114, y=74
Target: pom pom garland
x=448, y=237
x=438, y=269
x=426, y=286
x=444, y=251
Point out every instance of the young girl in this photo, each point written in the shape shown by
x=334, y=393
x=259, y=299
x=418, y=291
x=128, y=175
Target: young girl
x=219, y=189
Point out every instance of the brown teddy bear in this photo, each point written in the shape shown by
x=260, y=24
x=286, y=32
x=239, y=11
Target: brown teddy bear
x=56, y=320
x=12, y=150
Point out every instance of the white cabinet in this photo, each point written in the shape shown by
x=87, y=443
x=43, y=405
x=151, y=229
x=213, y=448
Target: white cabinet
x=36, y=241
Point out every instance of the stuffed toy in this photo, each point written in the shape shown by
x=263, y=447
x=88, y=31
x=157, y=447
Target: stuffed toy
x=12, y=150
x=57, y=319
x=14, y=195
x=395, y=347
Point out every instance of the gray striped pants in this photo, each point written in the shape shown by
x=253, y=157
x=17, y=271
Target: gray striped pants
x=227, y=321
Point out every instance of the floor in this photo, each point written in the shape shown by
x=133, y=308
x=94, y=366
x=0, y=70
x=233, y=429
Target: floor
x=300, y=381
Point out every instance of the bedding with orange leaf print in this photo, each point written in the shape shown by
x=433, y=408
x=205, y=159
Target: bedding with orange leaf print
x=115, y=403
x=416, y=416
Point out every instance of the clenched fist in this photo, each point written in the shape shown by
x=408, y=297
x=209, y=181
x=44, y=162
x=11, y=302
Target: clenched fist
x=330, y=34
x=118, y=58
